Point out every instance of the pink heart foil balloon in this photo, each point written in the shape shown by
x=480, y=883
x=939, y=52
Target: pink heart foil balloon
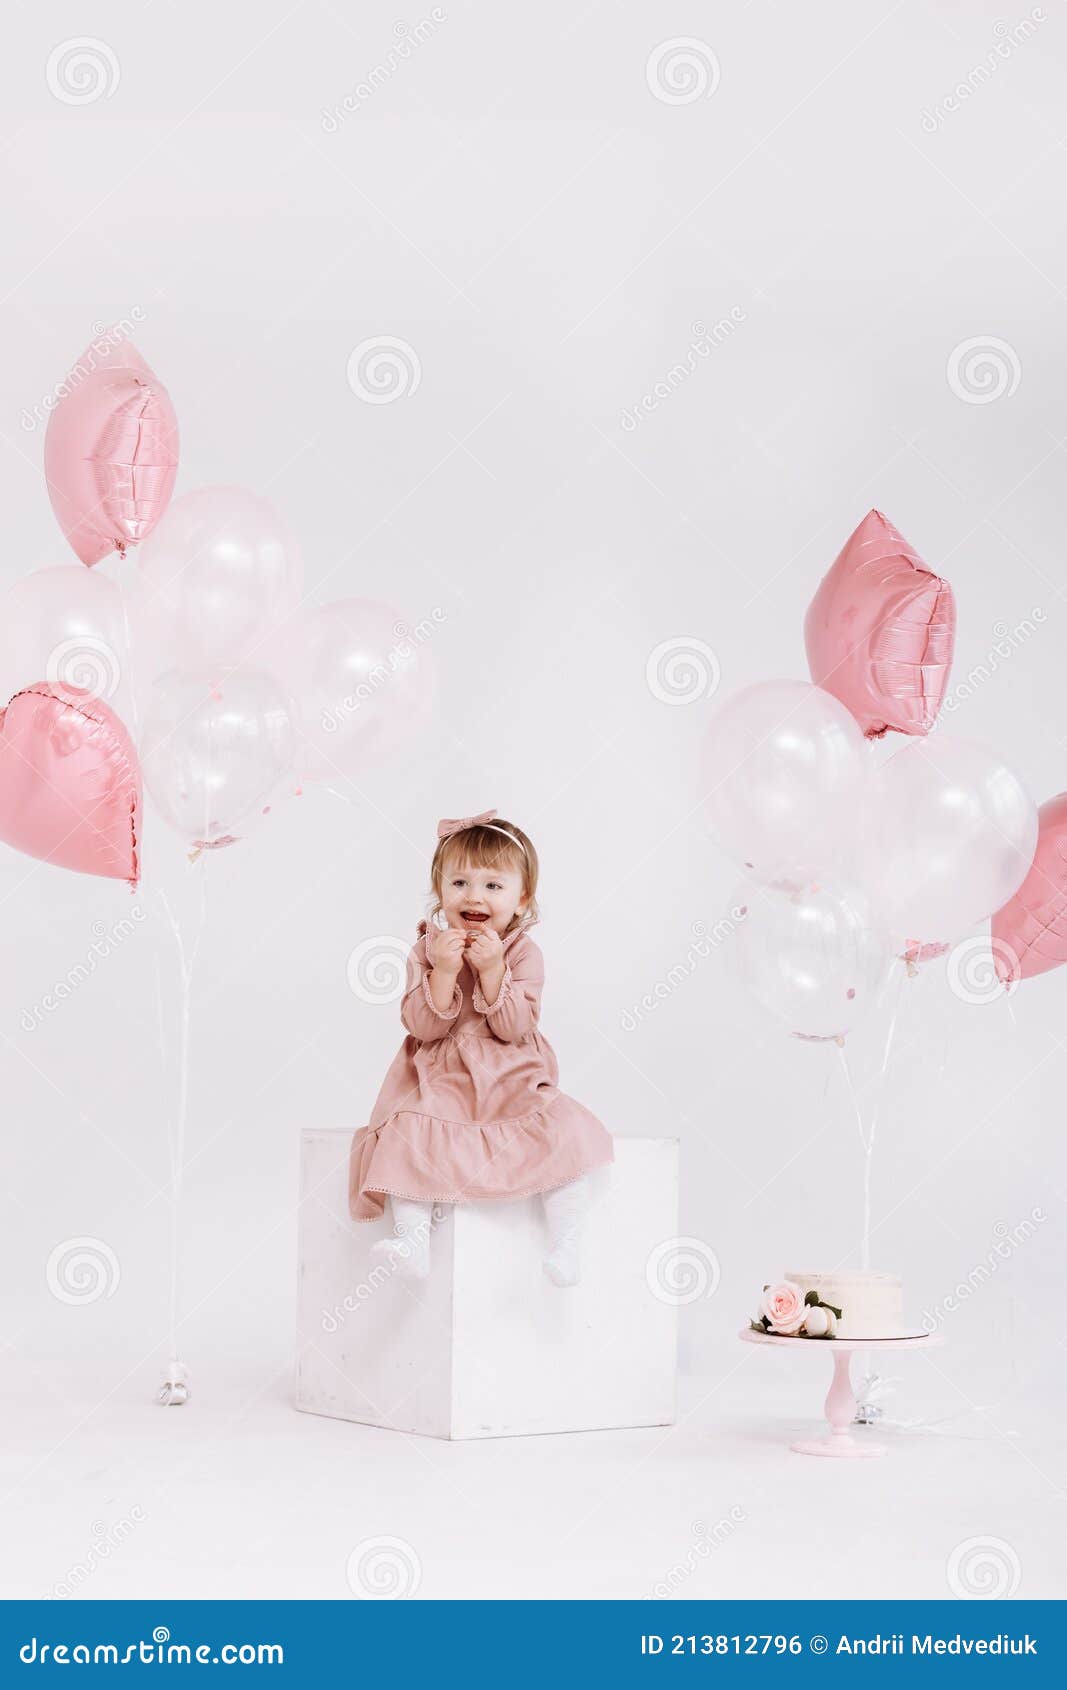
x=110, y=451
x=881, y=630
x=1029, y=934
x=70, y=782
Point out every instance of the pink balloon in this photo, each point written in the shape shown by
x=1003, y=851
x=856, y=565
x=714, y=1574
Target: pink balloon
x=881, y=630
x=1030, y=933
x=70, y=782
x=110, y=451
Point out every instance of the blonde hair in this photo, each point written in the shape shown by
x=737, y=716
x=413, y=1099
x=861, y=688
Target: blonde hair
x=486, y=847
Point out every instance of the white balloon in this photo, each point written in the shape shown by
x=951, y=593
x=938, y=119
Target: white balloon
x=215, y=576
x=66, y=625
x=785, y=771
x=949, y=837
x=365, y=682
x=214, y=756
x=813, y=954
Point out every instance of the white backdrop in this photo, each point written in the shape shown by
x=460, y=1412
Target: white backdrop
x=552, y=227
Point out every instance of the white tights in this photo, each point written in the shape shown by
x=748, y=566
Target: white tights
x=407, y=1251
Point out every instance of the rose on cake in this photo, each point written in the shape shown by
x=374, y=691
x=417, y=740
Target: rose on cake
x=786, y=1310
x=782, y=1308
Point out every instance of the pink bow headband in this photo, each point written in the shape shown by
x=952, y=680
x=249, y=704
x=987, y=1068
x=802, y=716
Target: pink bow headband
x=446, y=828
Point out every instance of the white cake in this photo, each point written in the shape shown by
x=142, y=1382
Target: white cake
x=871, y=1304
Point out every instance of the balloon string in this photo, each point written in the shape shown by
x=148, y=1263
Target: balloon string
x=868, y=1142
x=877, y=1114
x=187, y=957
x=868, y=1137
x=135, y=712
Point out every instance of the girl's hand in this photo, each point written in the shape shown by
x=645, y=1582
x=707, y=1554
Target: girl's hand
x=447, y=946
x=485, y=950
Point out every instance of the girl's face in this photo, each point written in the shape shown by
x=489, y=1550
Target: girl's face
x=473, y=898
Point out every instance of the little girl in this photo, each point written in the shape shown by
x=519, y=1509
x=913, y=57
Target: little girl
x=470, y=1107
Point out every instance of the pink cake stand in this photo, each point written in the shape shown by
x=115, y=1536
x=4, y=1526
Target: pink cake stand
x=840, y=1407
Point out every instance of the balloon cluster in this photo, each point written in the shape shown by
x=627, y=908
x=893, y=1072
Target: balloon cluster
x=850, y=865
x=237, y=692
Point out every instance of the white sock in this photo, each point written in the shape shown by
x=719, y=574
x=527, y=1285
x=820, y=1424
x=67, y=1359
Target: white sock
x=407, y=1249
x=565, y=1210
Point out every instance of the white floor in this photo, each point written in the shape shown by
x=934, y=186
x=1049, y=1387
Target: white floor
x=236, y=1494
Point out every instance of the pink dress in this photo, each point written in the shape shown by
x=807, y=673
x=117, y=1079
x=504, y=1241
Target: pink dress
x=470, y=1107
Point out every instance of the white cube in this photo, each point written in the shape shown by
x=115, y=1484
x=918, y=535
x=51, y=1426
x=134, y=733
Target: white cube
x=487, y=1347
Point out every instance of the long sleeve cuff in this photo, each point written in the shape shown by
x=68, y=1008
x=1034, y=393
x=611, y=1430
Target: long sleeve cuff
x=502, y=997
x=454, y=1007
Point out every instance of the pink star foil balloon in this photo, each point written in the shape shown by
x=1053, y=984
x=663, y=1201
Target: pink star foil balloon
x=70, y=782
x=881, y=630
x=111, y=451
x=1029, y=934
